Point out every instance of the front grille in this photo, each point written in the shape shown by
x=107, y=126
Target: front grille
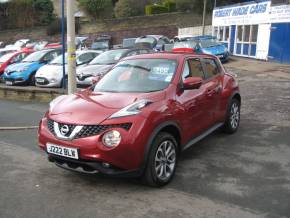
x=43, y=80
x=82, y=77
x=88, y=130
x=50, y=126
x=97, y=129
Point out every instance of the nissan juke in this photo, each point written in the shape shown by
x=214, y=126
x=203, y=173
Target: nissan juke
x=137, y=119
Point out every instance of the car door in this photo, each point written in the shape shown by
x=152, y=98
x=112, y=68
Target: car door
x=193, y=102
x=213, y=87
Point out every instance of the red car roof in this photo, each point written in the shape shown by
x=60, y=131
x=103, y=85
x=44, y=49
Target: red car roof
x=169, y=55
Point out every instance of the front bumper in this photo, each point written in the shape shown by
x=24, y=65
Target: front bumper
x=14, y=78
x=13, y=81
x=126, y=158
x=46, y=82
x=91, y=167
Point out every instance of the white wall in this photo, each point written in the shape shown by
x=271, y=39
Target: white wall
x=195, y=31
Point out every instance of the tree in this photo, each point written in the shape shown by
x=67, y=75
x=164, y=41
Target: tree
x=43, y=10
x=97, y=8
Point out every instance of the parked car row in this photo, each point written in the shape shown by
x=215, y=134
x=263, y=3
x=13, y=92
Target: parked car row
x=40, y=63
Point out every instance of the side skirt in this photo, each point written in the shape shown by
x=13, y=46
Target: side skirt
x=203, y=135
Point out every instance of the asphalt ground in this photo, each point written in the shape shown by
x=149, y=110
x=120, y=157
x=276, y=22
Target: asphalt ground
x=242, y=175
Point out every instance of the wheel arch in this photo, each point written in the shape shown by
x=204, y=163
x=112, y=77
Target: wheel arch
x=170, y=127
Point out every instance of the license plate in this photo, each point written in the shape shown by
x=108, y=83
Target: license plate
x=220, y=56
x=9, y=83
x=62, y=151
x=40, y=80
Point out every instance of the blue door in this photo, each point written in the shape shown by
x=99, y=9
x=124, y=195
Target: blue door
x=232, y=39
x=279, y=49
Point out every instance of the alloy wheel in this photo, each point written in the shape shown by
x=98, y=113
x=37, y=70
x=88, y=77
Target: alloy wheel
x=165, y=160
x=235, y=115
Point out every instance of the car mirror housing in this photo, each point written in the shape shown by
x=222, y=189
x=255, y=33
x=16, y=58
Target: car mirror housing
x=192, y=83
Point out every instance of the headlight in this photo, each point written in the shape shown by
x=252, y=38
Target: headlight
x=131, y=109
x=112, y=138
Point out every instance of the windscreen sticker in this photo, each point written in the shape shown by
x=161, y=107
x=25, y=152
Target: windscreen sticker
x=161, y=73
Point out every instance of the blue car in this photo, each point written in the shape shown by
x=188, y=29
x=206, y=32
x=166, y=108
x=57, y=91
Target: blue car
x=205, y=45
x=24, y=72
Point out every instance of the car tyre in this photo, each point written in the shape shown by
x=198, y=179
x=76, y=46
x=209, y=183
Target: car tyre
x=32, y=80
x=232, y=122
x=162, y=161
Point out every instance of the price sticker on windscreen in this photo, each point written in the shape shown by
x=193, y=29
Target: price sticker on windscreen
x=162, y=72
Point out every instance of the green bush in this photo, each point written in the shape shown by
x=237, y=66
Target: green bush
x=43, y=11
x=97, y=8
x=185, y=5
x=170, y=5
x=155, y=9
x=26, y=13
x=128, y=8
x=55, y=27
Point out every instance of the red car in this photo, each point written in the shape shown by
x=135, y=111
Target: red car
x=12, y=58
x=139, y=116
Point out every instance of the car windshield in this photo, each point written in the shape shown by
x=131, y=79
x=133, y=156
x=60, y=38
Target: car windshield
x=139, y=75
x=58, y=60
x=100, y=45
x=108, y=57
x=149, y=40
x=207, y=43
x=127, y=43
x=185, y=44
x=34, y=57
x=6, y=57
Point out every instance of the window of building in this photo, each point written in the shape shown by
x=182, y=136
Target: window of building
x=254, y=33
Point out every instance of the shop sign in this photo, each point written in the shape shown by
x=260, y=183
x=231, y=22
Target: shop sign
x=242, y=15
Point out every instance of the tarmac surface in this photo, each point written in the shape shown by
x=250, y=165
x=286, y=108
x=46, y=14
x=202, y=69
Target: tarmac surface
x=242, y=175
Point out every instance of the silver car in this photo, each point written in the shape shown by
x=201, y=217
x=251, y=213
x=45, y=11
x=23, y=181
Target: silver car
x=103, y=63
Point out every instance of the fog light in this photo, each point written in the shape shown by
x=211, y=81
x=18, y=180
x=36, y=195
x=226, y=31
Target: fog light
x=106, y=165
x=111, y=138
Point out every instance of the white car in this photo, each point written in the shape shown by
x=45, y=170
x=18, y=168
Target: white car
x=51, y=75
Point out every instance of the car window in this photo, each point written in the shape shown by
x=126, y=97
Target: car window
x=84, y=58
x=17, y=58
x=192, y=68
x=50, y=56
x=210, y=67
x=132, y=53
x=161, y=42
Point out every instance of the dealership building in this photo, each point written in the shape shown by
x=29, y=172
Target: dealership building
x=256, y=29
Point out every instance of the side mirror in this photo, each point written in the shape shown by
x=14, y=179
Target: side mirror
x=192, y=83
